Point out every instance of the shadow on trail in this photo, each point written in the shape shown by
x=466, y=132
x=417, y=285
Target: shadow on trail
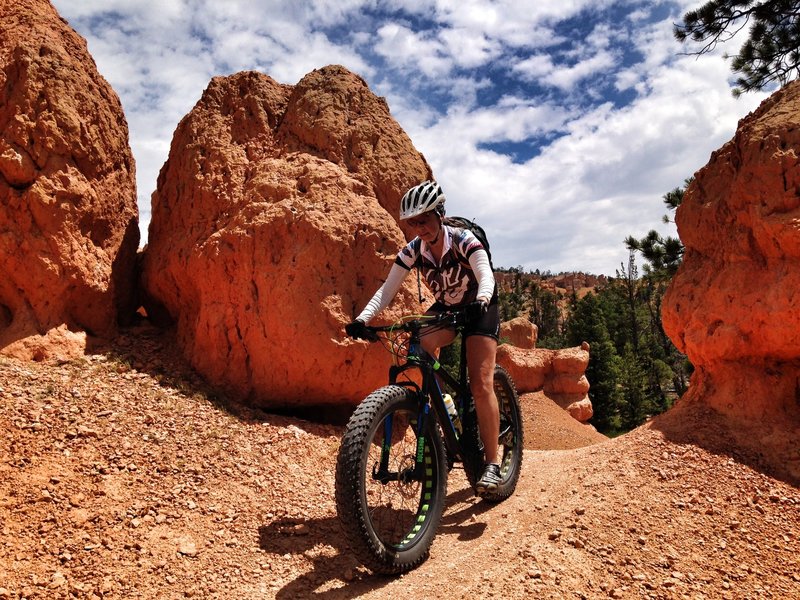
x=298, y=536
x=145, y=348
x=769, y=448
x=462, y=521
x=293, y=536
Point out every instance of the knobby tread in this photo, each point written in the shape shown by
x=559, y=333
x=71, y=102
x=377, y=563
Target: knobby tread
x=350, y=469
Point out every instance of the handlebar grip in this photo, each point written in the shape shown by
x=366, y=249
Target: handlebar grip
x=370, y=336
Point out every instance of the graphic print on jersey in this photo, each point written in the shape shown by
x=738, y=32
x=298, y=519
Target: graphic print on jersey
x=452, y=281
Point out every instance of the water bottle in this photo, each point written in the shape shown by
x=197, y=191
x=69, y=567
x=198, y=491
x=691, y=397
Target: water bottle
x=451, y=410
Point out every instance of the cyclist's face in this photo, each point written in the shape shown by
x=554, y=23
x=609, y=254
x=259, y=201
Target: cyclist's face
x=426, y=226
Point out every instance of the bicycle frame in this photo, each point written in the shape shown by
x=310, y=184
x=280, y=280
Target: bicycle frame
x=430, y=368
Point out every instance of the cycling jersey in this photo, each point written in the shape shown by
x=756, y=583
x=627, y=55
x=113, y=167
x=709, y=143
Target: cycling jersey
x=461, y=276
x=452, y=280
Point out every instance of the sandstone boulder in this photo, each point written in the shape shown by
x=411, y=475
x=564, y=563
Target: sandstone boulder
x=528, y=368
x=567, y=384
x=68, y=216
x=332, y=113
x=572, y=361
x=560, y=374
x=734, y=305
x=580, y=410
x=519, y=332
x=59, y=343
x=273, y=223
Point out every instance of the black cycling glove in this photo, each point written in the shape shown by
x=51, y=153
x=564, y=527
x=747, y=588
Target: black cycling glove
x=475, y=310
x=357, y=330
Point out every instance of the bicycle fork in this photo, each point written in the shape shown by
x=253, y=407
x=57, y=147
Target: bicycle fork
x=417, y=472
x=430, y=390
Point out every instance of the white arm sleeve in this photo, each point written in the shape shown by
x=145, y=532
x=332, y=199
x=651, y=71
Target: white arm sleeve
x=479, y=261
x=385, y=293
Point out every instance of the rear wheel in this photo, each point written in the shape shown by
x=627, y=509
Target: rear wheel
x=510, y=441
x=388, y=509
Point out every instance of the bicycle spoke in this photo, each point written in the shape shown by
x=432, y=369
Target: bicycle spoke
x=393, y=504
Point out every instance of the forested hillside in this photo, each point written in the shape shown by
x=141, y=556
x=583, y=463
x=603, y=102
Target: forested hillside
x=635, y=371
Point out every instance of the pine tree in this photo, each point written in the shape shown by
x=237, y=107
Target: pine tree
x=546, y=314
x=512, y=302
x=635, y=405
x=663, y=257
x=770, y=54
x=586, y=323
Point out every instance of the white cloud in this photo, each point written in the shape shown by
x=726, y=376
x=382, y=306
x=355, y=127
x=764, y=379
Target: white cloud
x=463, y=77
x=535, y=67
x=566, y=78
x=518, y=23
x=462, y=130
x=572, y=206
x=409, y=50
x=470, y=49
x=165, y=9
x=541, y=68
x=567, y=68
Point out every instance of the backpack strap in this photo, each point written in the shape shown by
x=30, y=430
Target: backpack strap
x=418, y=265
x=419, y=284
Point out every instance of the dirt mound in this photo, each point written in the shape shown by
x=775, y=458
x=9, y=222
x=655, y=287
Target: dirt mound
x=122, y=476
x=561, y=432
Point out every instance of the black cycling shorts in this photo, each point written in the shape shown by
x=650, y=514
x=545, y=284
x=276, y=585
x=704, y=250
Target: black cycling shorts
x=488, y=324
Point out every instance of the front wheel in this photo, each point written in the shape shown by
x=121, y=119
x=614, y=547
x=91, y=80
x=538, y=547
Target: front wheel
x=389, y=507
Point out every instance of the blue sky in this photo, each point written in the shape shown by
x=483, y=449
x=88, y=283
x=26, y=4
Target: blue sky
x=557, y=124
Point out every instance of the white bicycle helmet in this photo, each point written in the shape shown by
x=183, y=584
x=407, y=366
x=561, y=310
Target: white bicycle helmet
x=422, y=198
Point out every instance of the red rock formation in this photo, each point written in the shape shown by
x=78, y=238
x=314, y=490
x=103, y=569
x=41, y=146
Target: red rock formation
x=333, y=114
x=270, y=231
x=734, y=305
x=68, y=216
x=572, y=361
x=519, y=332
x=529, y=368
x=559, y=373
x=568, y=385
x=580, y=409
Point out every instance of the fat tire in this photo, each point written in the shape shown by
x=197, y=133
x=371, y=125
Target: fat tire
x=354, y=475
x=511, y=440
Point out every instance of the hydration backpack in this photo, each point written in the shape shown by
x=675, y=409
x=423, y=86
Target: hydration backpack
x=477, y=231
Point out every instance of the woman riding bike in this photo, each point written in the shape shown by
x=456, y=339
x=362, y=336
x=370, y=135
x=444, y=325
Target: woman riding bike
x=457, y=269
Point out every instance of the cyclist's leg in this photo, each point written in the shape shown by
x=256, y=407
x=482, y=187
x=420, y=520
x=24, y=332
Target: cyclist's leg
x=434, y=340
x=481, y=356
x=431, y=342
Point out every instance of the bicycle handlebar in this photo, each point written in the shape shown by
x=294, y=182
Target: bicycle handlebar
x=454, y=317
